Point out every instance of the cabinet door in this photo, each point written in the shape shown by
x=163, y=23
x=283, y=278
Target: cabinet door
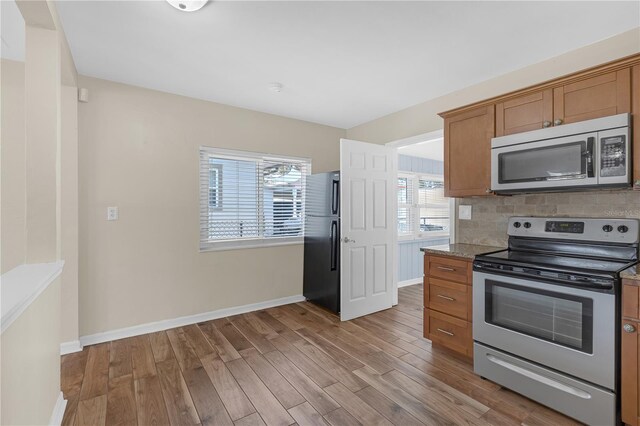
x=635, y=110
x=600, y=96
x=467, y=152
x=524, y=113
x=629, y=374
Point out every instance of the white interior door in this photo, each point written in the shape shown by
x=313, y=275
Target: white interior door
x=368, y=180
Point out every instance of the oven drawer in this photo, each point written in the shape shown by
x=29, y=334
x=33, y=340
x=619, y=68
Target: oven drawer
x=448, y=268
x=448, y=331
x=448, y=297
x=575, y=398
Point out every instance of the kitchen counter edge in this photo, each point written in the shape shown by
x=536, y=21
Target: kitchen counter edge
x=467, y=251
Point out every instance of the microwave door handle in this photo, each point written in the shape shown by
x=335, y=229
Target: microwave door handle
x=589, y=156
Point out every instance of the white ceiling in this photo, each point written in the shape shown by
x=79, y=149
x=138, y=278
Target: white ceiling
x=341, y=63
x=11, y=31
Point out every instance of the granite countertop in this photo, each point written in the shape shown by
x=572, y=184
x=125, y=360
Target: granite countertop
x=632, y=273
x=468, y=251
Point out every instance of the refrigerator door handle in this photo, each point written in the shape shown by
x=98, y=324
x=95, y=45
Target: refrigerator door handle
x=335, y=194
x=334, y=245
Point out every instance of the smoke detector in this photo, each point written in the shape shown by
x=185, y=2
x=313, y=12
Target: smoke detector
x=188, y=5
x=276, y=87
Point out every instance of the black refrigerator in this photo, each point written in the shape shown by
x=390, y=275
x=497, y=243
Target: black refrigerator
x=322, y=240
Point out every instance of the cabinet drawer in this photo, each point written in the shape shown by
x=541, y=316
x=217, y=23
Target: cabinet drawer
x=448, y=331
x=448, y=297
x=447, y=268
x=630, y=301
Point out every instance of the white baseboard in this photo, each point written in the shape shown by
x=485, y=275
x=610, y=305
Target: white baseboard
x=152, y=327
x=58, y=411
x=70, y=347
x=406, y=283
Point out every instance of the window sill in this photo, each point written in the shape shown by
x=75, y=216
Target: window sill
x=249, y=244
x=405, y=239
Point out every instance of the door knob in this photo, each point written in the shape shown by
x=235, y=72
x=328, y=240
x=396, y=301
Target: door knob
x=347, y=240
x=557, y=122
x=546, y=124
x=629, y=328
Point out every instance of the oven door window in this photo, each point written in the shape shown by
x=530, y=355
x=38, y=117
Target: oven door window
x=560, y=318
x=554, y=162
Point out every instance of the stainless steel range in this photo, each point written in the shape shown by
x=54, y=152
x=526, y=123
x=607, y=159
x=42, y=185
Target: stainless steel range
x=546, y=312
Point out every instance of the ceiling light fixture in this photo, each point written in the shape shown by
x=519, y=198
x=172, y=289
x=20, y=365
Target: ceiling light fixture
x=187, y=5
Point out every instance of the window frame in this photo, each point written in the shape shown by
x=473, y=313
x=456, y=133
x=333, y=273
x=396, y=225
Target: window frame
x=245, y=243
x=416, y=233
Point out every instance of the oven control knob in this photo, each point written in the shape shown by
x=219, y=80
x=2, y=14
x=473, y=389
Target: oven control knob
x=516, y=224
x=623, y=228
x=527, y=225
x=607, y=228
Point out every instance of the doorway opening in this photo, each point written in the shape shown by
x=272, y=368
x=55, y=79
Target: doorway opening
x=425, y=217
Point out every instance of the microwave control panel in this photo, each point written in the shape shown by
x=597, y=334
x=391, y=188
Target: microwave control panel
x=613, y=156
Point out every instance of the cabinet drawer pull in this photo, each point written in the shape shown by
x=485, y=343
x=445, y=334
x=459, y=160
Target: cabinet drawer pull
x=629, y=328
x=448, y=333
x=446, y=297
x=444, y=268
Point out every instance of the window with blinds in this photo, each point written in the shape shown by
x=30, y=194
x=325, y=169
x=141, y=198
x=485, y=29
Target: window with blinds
x=250, y=199
x=423, y=210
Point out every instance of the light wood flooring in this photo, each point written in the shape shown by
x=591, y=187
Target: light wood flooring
x=294, y=364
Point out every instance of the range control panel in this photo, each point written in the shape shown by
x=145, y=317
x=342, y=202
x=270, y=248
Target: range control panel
x=606, y=230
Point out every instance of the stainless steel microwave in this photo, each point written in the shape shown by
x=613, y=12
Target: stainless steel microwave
x=592, y=153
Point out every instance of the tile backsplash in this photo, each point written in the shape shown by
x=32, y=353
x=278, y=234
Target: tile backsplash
x=488, y=224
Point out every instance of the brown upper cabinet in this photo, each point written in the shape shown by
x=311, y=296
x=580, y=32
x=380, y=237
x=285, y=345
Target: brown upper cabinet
x=635, y=123
x=595, y=97
x=524, y=113
x=609, y=89
x=467, y=152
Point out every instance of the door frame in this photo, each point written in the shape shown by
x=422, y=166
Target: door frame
x=412, y=140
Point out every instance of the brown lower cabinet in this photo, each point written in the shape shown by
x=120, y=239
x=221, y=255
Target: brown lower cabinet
x=629, y=350
x=447, y=303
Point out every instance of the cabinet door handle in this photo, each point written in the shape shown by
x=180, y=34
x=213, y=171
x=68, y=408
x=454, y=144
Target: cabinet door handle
x=444, y=268
x=445, y=297
x=488, y=190
x=448, y=333
x=557, y=122
x=546, y=124
x=629, y=328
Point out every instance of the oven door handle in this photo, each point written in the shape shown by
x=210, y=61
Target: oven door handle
x=539, y=378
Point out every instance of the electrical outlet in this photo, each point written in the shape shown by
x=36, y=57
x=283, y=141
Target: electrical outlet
x=112, y=213
x=464, y=212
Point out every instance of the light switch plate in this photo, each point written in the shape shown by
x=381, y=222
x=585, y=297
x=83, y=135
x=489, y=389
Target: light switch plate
x=112, y=213
x=464, y=212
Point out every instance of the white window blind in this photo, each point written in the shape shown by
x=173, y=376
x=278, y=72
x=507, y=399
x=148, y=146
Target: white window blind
x=405, y=205
x=423, y=210
x=434, y=207
x=250, y=199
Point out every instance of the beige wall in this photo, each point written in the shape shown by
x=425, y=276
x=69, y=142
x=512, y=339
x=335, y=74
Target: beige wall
x=30, y=362
x=69, y=212
x=138, y=150
x=12, y=153
x=423, y=118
